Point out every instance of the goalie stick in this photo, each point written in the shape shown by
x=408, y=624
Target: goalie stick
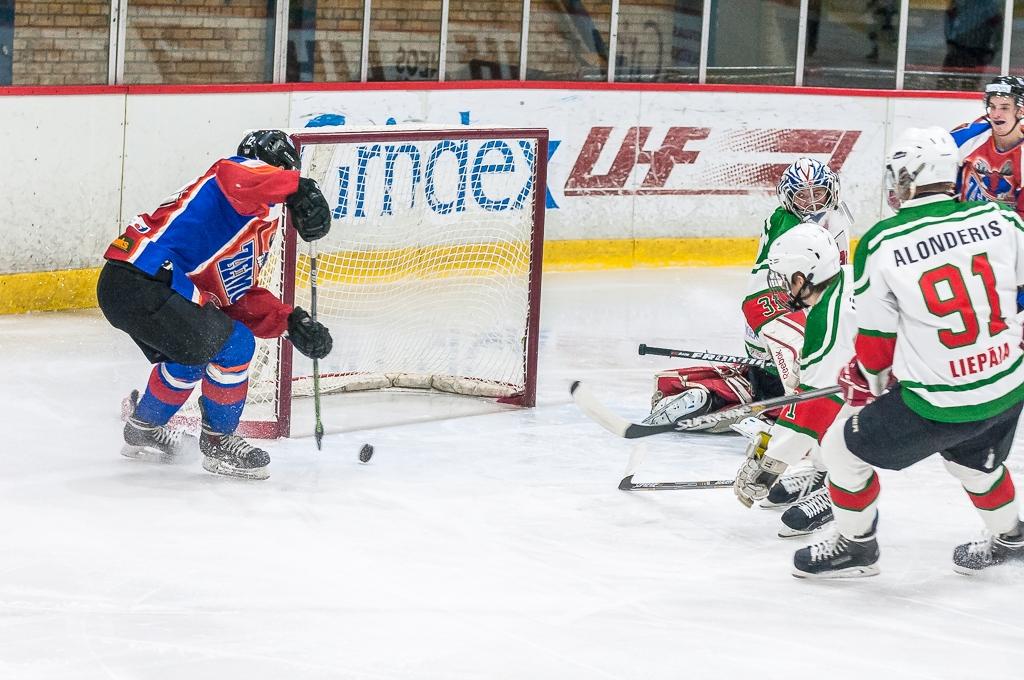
x=701, y=356
x=618, y=425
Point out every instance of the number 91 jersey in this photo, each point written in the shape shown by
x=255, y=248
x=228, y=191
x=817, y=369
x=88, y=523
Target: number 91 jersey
x=936, y=289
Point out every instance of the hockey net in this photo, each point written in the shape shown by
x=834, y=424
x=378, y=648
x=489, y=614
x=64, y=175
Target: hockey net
x=430, y=276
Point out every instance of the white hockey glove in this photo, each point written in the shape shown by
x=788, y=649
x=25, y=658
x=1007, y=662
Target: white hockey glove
x=758, y=472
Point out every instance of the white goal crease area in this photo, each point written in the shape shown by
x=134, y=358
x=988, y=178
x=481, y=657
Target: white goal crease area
x=430, y=276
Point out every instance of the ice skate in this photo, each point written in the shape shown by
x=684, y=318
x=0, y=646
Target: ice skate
x=230, y=455
x=990, y=551
x=807, y=516
x=156, y=443
x=795, y=487
x=838, y=557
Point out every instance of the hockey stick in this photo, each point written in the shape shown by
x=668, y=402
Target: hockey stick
x=636, y=457
x=702, y=356
x=318, y=430
x=618, y=425
x=627, y=484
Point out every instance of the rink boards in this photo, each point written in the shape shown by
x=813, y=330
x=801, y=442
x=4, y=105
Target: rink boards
x=637, y=175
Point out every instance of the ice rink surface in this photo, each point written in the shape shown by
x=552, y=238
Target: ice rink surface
x=488, y=547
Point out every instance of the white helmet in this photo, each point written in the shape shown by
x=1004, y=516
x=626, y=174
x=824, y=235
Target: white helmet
x=807, y=249
x=921, y=156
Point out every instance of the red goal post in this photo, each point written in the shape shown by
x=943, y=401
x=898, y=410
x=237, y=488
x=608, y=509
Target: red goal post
x=431, y=275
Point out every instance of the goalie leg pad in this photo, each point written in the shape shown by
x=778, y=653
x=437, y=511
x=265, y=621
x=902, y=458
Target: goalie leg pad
x=694, y=401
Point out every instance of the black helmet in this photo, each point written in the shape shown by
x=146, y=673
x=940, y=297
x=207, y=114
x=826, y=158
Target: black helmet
x=1005, y=86
x=270, y=146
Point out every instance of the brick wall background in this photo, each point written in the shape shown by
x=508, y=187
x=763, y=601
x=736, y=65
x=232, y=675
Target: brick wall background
x=168, y=41
x=60, y=43
x=228, y=41
x=566, y=46
x=483, y=40
x=198, y=41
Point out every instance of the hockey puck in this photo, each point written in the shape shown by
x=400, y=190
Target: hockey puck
x=366, y=453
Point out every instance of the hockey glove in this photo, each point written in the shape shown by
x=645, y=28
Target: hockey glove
x=309, y=337
x=856, y=391
x=310, y=213
x=758, y=472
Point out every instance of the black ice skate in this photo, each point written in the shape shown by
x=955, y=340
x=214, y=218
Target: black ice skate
x=158, y=443
x=807, y=516
x=838, y=556
x=229, y=454
x=794, y=487
x=990, y=551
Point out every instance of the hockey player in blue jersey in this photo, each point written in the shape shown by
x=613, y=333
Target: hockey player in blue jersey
x=181, y=281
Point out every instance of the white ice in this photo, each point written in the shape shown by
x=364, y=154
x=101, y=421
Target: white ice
x=493, y=546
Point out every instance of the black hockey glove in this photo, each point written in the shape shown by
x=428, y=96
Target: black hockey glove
x=310, y=214
x=309, y=337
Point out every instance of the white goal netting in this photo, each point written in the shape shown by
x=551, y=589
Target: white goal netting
x=429, y=277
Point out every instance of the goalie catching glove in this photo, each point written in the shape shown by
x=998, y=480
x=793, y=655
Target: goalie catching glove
x=311, y=216
x=758, y=472
x=309, y=337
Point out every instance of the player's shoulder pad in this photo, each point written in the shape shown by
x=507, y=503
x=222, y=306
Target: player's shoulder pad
x=968, y=131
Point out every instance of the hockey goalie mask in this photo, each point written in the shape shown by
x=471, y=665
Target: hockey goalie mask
x=808, y=250
x=920, y=157
x=808, y=187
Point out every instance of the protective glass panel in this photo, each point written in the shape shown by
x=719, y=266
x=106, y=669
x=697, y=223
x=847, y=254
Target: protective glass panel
x=325, y=38
x=658, y=41
x=43, y=43
x=404, y=39
x=851, y=44
x=196, y=41
x=753, y=41
x=569, y=40
x=953, y=46
x=1017, y=40
x=483, y=40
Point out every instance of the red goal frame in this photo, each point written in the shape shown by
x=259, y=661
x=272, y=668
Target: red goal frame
x=281, y=427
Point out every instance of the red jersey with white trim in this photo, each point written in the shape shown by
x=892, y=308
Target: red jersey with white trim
x=986, y=173
x=214, y=234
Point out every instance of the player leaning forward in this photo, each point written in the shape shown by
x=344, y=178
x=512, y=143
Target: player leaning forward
x=181, y=281
x=935, y=291
x=805, y=273
x=808, y=191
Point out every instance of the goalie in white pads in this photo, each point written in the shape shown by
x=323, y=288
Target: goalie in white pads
x=935, y=288
x=805, y=271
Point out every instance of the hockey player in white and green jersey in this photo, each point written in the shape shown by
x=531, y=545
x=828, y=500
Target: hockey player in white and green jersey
x=805, y=273
x=938, y=364
x=808, y=192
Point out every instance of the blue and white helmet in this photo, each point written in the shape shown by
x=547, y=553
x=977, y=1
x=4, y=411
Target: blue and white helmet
x=808, y=188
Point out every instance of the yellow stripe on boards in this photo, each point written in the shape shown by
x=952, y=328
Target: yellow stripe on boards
x=76, y=288
x=48, y=291
x=423, y=262
x=584, y=255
